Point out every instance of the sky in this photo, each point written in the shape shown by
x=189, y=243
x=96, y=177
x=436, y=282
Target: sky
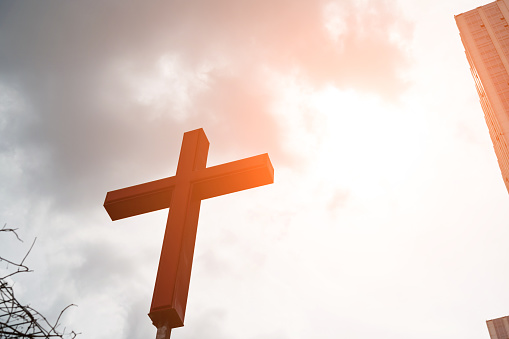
x=388, y=215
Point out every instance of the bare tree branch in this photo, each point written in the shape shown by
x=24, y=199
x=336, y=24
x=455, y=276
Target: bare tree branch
x=22, y=321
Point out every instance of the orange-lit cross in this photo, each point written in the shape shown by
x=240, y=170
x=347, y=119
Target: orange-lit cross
x=183, y=193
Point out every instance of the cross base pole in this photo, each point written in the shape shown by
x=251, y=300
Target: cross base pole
x=163, y=332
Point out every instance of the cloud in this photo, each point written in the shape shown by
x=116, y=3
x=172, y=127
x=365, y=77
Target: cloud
x=96, y=96
x=74, y=66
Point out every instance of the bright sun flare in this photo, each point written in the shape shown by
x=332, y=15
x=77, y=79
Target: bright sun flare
x=369, y=146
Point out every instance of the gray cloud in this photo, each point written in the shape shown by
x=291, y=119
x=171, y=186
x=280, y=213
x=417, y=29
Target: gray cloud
x=73, y=126
x=81, y=126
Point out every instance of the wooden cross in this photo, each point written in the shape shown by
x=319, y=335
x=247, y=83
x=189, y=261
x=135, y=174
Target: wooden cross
x=183, y=193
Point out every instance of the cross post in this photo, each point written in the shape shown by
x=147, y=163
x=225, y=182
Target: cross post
x=183, y=193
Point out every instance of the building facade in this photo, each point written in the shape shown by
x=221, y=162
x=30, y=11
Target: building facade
x=484, y=32
x=498, y=328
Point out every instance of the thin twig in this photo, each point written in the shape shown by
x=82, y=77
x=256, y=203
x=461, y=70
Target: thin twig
x=12, y=230
x=26, y=255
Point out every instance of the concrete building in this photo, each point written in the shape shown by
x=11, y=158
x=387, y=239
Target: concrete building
x=498, y=328
x=484, y=32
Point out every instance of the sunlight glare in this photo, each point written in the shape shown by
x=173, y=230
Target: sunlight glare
x=370, y=147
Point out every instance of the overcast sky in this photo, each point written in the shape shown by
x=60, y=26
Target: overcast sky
x=388, y=217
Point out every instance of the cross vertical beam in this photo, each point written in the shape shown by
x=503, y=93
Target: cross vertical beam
x=173, y=275
x=183, y=193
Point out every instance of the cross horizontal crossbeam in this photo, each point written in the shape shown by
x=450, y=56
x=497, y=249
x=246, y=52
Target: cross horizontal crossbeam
x=208, y=183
